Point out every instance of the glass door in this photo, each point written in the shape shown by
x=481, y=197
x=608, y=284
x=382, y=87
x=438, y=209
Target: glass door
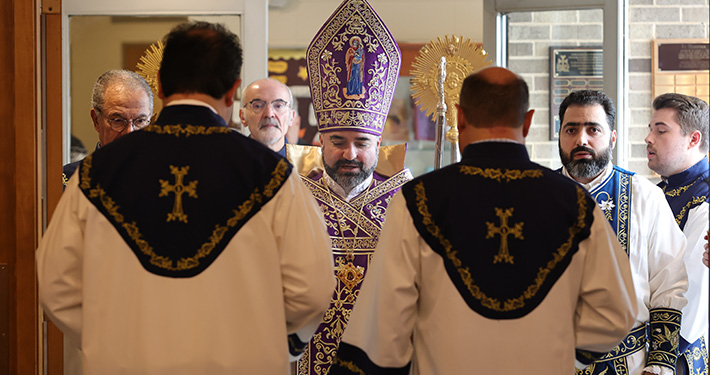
x=558, y=47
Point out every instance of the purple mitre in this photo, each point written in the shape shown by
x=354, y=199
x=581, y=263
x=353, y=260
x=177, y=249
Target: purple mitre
x=353, y=66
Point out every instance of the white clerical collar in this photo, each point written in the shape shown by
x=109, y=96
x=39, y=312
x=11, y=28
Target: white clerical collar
x=597, y=180
x=191, y=102
x=334, y=186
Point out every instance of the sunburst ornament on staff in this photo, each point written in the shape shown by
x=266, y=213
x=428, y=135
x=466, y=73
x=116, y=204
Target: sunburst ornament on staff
x=149, y=65
x=463, y=57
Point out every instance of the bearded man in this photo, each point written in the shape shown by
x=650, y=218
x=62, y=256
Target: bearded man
x=351, y=176
x=644, y=226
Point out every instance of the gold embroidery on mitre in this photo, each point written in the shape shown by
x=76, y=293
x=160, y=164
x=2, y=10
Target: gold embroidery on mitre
x=504, y=231
x=178, y=189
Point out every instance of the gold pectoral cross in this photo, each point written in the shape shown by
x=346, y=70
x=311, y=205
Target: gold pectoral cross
x=179, y=188
x=504, y=230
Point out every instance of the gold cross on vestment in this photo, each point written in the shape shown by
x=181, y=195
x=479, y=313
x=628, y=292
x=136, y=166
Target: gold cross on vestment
x=504, y=230
x=179, y=188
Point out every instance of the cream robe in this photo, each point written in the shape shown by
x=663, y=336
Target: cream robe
x=410, y=310
x=695, y=314
x=656, y=251
x=273, y=279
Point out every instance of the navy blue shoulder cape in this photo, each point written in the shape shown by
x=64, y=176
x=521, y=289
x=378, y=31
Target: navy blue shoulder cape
x=506, y=228
x=180, y=189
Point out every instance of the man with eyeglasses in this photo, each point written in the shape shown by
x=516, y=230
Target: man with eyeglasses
x=268, y=113
x=187, y=248
x=121, y=102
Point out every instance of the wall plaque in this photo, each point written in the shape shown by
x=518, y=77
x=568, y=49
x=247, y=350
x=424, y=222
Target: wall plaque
x=572, y=69
x=681, y=66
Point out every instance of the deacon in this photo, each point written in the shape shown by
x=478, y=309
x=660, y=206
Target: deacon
x=481, y=270
x=644, y=227
x=187, y=248
x=677, y=146
x=121, y=103
x=354, y=190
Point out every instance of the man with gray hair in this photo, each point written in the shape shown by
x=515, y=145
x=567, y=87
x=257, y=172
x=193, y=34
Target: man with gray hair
x=268, y=113
x=121, y=102
x=677, y=147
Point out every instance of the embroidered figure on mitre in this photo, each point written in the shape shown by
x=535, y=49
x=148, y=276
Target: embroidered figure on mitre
x=355, y=63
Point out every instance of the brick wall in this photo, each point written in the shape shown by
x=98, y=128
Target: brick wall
x=531, y=34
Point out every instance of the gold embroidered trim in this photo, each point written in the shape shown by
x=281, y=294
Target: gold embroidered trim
x=465, y=274
x=85, y=168
x=684, y=210
x=64, y=179
x=678, y=191
x=665, y=337
x=394, y=182
x=277, y=178
x=348, y=365
x=333, y=205
x=500, y=174
x=186, y=130
x=623, y=212
x=366, y=244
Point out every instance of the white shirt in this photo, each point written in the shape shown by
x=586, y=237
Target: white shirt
x=695, y=314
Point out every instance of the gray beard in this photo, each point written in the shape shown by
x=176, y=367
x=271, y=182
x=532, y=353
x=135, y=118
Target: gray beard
x=586, y=168
x=349, y=180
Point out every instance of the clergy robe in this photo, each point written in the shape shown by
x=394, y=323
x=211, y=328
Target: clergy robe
x=447, y=294
x=687, y=194
x=354, y=224
x=228, y=279
x=644, y=225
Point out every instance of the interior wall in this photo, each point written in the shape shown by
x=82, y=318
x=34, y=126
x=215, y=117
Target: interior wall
x=96, y=45
x=410, y=21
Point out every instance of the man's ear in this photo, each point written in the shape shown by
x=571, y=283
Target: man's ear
x=613, y=139
x=460, y=119
x=527, y=122
x=231, y=94
x=695, y=138
x=95, y=118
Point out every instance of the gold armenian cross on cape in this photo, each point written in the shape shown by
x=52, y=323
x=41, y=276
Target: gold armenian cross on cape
x=178, y=189
x=504, y=231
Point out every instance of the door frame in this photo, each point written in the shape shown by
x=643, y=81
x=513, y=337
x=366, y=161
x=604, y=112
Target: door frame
x=55, y=141
x=615, y=29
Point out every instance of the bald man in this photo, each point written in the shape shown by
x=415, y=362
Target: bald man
x=268, y=113
x=468, y=278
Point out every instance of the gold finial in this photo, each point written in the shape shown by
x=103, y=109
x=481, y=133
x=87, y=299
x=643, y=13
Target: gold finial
x=463, y=57
x=149, y=65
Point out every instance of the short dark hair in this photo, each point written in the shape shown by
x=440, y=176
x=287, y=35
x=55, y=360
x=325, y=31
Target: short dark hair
x=200, y=57
x=487, y=104
x=691, y=113
x=590, y=97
